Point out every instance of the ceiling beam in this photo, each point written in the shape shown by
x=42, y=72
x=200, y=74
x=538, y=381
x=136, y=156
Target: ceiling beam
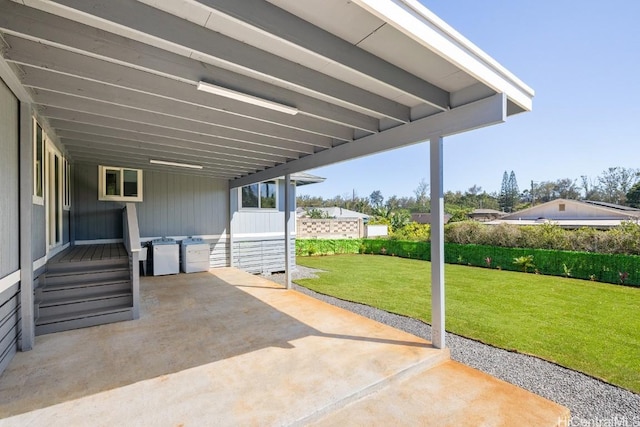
x=8, y=75
x=182, y=115
x=40, y=55
x=205, y=142
x=46, y=79
x=282, y=25
x=135, y=163
x=87, y=139
x=169, y=33
x=189, y=72
x=77, y=146
x=231, y=155
x=478, y=114
x=80, y=142
x=134, y=117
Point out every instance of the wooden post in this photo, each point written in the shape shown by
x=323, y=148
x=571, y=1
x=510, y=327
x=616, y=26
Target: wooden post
x=437, y=245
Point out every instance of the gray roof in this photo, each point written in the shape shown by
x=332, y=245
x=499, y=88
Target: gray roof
x=425, y=218
x=612, y=206
x=303, y=178
x=486, y=211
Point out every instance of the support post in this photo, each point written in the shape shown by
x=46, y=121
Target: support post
x=27, y=323
x=437, y=244
x=287, y=230
x=233, y=192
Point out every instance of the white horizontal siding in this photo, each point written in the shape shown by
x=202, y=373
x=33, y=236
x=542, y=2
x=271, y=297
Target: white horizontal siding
x=261, y=256
x=9, y=324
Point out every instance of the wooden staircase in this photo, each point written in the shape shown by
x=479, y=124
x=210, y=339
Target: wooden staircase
x=82, y=291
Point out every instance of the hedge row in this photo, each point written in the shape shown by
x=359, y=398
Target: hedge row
x=309, y=247
x=608, y=268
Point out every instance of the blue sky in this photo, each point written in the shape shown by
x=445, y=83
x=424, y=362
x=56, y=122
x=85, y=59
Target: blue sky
x=583, y=61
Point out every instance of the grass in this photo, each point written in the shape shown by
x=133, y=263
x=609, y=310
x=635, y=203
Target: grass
x=586, y=326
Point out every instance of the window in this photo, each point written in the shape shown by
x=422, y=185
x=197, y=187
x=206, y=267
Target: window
x=66, y=182
x=120, y=184
x=38, y=163
x=561, y=207
x=259, y=196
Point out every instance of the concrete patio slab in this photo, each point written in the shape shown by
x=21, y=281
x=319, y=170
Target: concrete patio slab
x=450, y=394
x=230, y=348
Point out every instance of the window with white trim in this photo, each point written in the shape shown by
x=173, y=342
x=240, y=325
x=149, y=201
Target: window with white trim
x=263, y=195
x=119, y=184
x=38, y=163
x=66, y=184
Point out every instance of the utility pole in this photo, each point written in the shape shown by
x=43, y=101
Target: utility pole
x=533, y=197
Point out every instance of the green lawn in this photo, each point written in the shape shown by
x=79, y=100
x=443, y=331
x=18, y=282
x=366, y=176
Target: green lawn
x=587, y=326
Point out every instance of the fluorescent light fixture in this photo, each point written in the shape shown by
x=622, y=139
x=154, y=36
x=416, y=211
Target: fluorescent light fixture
x=180, y=165
x=243, y=97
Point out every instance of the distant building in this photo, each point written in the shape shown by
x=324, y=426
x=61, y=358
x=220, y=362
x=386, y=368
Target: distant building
x=484, y=215
x=573, y=214
x=425, y=218
x=336, y=212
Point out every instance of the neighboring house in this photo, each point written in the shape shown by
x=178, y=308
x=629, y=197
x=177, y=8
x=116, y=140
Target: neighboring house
x=159, y=119
x=485, y=215
x=425, y=218
x=572, y=214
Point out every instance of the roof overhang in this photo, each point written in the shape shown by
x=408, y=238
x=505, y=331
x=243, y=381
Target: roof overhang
x=116, y=82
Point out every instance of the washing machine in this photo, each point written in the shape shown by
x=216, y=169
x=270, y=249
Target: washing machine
x=164, y=256
x=194, y=252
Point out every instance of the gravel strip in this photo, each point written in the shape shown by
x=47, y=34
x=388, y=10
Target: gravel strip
x=592, y=402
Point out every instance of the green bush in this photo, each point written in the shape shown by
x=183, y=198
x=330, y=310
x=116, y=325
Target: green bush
x=524, y=262
x=413, y=231
x=624, y=239
x=310, y=247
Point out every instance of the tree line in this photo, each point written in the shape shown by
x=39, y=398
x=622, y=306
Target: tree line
x=616, y=185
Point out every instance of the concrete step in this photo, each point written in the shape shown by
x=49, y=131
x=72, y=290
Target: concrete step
x=83, y=304
x=86, y=289
x=63, y=278
x=59, y=323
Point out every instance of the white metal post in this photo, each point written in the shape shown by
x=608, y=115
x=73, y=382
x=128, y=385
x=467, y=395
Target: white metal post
x=287, y=230
x=437, y=244
x=233, y=193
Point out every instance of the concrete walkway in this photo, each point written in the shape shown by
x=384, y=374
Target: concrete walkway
x=229, y=348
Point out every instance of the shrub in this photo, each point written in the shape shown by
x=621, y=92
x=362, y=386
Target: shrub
x=317, y=214
x=464, y=232
x=567, y=270
x=413, y=232
x=624, y=239
x=524, y=262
